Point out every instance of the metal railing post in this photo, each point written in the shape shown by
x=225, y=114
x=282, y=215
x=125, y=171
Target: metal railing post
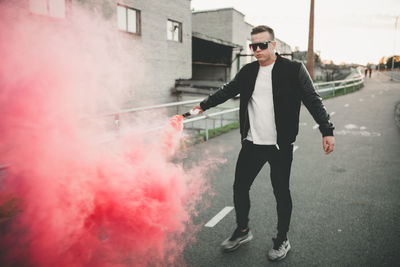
x=213, y=126
x=206, y=128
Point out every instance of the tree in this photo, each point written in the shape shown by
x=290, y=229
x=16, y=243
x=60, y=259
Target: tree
x=396, y=62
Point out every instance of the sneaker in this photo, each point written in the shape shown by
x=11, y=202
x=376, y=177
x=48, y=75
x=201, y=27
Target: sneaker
x=238, y=237
x=279, y=250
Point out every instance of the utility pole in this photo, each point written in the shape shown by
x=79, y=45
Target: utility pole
x=310, y=52
x=394, y=47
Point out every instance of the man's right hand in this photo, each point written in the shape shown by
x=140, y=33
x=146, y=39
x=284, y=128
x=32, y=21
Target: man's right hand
x=199, y=108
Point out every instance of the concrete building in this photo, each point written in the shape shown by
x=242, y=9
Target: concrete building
x=174, y=43
x=162, y=30
x=228, y=24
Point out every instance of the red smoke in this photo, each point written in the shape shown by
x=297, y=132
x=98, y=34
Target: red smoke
x=83, y=202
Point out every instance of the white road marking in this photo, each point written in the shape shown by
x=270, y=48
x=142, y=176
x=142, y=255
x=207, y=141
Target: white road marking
x=346, y=105
x=332, y=113
x=218, y=217
x=363, y=128
x=315, y=126
x=357, y=132
x=351, y=126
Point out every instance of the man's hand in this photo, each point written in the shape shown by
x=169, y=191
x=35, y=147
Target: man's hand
x=199, y=108
x=328, y=144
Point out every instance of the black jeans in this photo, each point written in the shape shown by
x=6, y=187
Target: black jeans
x=251, y=159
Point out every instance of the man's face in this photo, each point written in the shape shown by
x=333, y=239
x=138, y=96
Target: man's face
x=263, y=56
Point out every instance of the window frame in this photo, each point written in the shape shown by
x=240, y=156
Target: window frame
x=138, y=20
x=67, y=7
x=180, y=36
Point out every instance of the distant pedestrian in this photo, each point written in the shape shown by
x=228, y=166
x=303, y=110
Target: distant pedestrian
x=370, y=71
x=271, y=91
x=366, y=72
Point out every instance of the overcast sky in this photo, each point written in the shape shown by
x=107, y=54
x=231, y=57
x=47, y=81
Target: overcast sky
x=351, y=31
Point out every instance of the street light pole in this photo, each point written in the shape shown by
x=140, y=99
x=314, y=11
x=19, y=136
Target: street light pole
x=394, y=47
x=310, y=52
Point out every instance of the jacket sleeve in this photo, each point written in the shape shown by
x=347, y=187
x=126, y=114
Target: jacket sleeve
x=224, y=93
x=313, y=102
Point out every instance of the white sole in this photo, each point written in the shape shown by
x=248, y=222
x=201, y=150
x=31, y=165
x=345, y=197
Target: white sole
x=244, y=241
x=281, y=257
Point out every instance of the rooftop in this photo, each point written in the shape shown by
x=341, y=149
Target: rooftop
x=217, y=10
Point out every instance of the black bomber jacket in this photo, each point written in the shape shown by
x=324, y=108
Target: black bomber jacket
x=291, y=85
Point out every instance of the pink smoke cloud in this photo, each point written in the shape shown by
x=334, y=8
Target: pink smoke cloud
x=84, y=202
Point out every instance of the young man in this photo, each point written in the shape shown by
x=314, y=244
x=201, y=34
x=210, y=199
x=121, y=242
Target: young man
x=271, y=90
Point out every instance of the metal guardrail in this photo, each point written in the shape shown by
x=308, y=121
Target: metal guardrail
x=208, y=116
x=324, y=88
x=172, y=104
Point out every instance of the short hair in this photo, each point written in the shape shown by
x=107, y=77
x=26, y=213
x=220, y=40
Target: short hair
x=263, y=28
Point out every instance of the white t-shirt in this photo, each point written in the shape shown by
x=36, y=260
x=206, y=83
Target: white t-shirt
x=261, y=109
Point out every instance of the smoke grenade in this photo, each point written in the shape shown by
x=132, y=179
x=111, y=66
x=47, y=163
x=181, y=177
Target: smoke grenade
x=192, y=112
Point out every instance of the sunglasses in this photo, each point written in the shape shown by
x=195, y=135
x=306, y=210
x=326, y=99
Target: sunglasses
x=262, y=46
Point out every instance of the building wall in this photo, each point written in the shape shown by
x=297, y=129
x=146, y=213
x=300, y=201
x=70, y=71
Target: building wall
x=161, y=61
x=230, y=25
x=282, y=47
x=165, y=60
x=240, y=36
x=217, y=24
x=226, y=24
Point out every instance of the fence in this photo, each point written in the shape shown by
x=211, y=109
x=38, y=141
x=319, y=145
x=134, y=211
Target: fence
x=339, y=87
x=207, y=122
x=203, y=124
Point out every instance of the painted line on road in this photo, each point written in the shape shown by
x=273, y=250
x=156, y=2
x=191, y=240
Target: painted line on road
x=218, y=217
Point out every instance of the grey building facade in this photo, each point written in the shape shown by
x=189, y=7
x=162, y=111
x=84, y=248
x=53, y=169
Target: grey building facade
x=162, y=36
x=229, y=25
x=159, y=34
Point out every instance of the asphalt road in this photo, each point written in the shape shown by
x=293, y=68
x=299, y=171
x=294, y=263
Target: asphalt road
x=346, y=205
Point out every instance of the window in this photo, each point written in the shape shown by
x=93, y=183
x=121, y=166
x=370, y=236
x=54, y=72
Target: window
x=52, y=8
x=128, y=19
x=174, y=31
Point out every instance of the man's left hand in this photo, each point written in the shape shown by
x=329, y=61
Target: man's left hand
x=328, y=144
